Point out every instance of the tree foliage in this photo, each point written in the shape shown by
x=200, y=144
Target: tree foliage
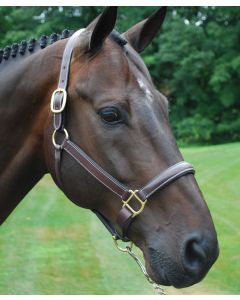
x=194, y=61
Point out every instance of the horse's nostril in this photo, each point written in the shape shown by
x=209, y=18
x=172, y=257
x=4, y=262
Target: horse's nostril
x=195, y=258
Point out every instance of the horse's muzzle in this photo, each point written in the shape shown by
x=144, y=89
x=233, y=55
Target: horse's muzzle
x=197, y=254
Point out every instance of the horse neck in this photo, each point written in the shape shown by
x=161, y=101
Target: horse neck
x=26, y=87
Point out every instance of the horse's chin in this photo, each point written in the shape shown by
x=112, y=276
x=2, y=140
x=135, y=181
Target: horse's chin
x=164, y=271
x=159, y=277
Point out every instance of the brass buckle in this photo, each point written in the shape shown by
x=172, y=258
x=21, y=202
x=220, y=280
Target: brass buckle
x=64, y=100
x=142, y=203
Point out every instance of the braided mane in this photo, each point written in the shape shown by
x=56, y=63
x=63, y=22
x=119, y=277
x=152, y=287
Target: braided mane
x=24, y=46
x=29, y=46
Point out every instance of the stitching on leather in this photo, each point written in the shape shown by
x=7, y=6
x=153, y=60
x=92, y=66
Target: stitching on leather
x=170, y=179
x=98, y=168
x=165, y=171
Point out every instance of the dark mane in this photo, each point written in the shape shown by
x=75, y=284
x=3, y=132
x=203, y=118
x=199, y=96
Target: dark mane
x=30, y=45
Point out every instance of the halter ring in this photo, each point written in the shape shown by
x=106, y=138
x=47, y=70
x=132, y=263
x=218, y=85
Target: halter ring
x=58, y=146
x=126, y=249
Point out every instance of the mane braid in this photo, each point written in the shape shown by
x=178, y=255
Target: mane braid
x=29, y=46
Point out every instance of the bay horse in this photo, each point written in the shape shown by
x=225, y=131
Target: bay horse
x=102, y=98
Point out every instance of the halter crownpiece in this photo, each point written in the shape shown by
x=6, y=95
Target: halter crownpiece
x=127, y=195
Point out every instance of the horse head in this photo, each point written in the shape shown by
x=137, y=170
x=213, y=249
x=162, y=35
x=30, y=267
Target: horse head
x=118, y=117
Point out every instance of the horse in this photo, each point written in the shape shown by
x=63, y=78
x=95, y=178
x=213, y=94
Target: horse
x=82, y=106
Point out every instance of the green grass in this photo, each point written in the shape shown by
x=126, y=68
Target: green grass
x=50, y=246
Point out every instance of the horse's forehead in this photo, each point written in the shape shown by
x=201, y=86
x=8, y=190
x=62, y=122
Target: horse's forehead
x=111, y=59
x=117, y=61
x=120, y=73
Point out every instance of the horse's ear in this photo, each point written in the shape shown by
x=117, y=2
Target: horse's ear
x=101, y=27
x=140, y=35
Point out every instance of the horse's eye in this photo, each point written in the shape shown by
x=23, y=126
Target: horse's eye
x=110, y=115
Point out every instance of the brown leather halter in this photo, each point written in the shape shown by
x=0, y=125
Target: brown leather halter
x=140, y=196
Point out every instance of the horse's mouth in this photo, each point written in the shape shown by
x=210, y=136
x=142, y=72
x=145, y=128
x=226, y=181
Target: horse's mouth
x=155, y=270
x=159, y=277
x=167, y=272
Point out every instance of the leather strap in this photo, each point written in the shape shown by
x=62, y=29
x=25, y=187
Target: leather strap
x=58, y=118
x=127, y=213
x=164, y=178
x=114, y=230
x=94, y=169
x=157, y=183
x=66, y=59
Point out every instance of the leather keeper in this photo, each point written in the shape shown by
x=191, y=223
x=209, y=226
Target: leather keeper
x=58, y=117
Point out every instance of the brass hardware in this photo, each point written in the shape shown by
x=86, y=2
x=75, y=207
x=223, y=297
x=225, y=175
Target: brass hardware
x=142, y=203
x=126, y=249
x=64, y=100
x=54, y=136
x=155, y=285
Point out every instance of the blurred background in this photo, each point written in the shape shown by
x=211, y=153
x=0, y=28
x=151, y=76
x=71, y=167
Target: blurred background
x=50, y=246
